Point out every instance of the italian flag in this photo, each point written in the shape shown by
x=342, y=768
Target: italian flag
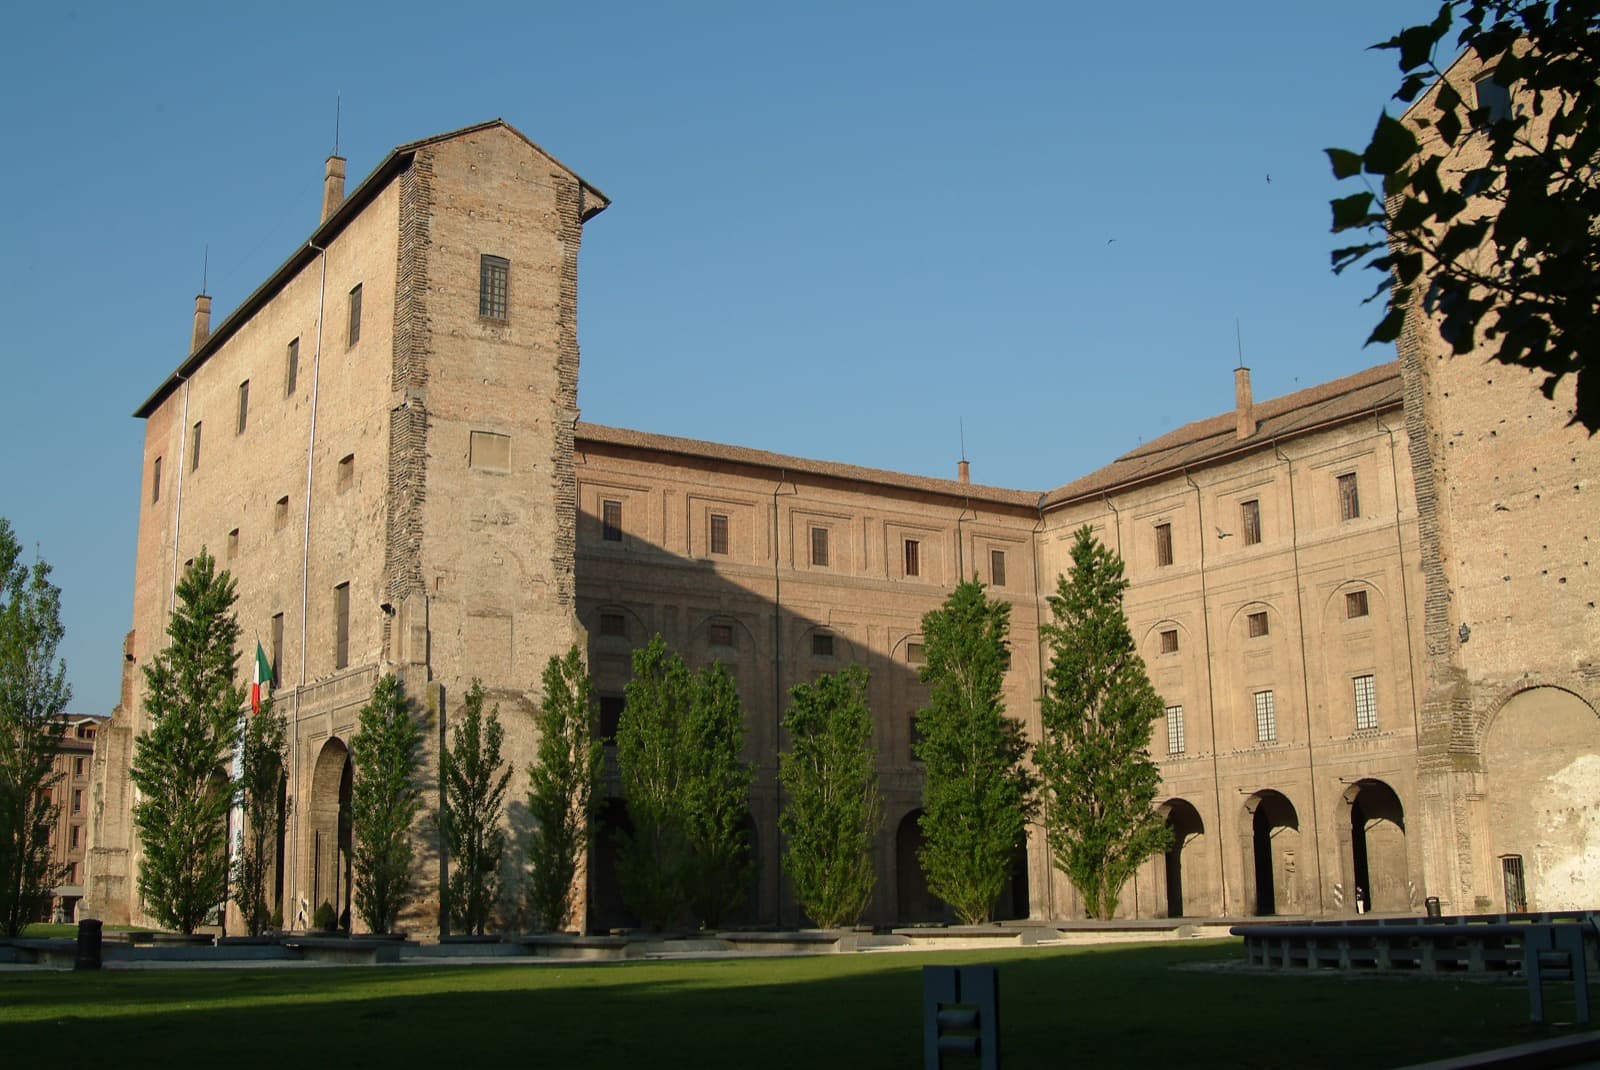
x=263, y=676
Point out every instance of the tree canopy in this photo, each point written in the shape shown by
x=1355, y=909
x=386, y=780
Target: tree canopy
x=562, y=791
x=1483, y=218
x=384, y=800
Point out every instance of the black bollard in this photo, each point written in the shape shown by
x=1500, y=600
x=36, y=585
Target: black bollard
x=88, y=945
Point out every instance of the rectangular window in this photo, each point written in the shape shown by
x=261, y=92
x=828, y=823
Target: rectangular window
x=1250, y=520
x=822, y=644
x=913, y=557
x=1175, y=740
x=489, y=450
x=280, y=513
x=610, y=717
x=915, y=654
x=1355, y=604
x=1366, y=704
x=493, y=274
x=1169, y=641
x=194, y=451
x=155, y=482
x=614, y=625
x=73, y=838
x=719, y=533
x=611, y=521
x=819, y=546
x=277, y=648
x=1163, y=544
x=1511, y=875
x=1266, y=718
x=291, y=375
x=353, y=332
x=997, y=568
x=1258, y=624
x=244, y=407
x=233, y=544
x=77, y=800
x=1349, y=499
x=347, y=473
x=720, y=634
x=77, y=769
x=341, y=626
x=1493, y=99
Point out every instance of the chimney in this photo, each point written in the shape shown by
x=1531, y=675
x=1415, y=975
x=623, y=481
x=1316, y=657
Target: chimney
x=332, y=186
x=963, y=471
x=1244, y=405
x=202, y=322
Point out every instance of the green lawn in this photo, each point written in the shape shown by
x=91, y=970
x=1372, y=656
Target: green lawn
x=1090, y=1007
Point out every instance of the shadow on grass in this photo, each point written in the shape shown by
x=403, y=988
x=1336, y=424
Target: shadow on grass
x=1083, y=1007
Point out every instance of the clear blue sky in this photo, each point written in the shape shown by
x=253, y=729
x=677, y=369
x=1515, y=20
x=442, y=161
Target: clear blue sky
x=837, y=230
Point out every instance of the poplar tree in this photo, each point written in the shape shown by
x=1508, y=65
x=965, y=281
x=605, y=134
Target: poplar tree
x=385, y=798
x=977, y=794
x=261, y=760
x=33, y=694
x=563, y=791
x=830, y=775
x=180, y=762
x=1100, y=783
x=716, y=798
x=475, y=782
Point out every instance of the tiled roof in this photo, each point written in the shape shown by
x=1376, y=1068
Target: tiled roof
x=795, y=466
x=1213, y=438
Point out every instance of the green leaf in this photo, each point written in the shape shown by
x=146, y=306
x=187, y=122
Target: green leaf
x=1352, y=211
x=1393, y=145
x=1346, y=164
x=1388, y=328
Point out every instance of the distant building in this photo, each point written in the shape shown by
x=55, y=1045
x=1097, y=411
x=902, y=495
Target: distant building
x=382, y=445
x=69, y=838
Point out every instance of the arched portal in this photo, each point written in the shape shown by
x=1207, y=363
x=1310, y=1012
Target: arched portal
x=1377, y=847
x=1013, y=902
x=1272, y=832
x=915, y=903
x=331, y=782
x=1184, y=859
x=607, y=908
x=1542, y=756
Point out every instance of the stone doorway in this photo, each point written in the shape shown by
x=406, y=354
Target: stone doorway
x=1272, y=836
x=607, y=908
x=916, y=904
x=1184, y=858
x=331, y=878
x=1377, y=857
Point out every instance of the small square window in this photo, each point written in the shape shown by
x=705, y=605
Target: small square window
x=720, y=634
x=1355, y=604
x=819, y=547
x=1258, y=624
x=1175, y=740
x=913, y=557
x=353, y=332
x=1266, y=718
x=280, y=513
x=155, y=482
x=244, y=407
x=610, y=717
x=997, y=568
x=233, y=544
x=347, y=473
x=1250, y=521
x=1349, y=498
x=915, y=654
x=1366, y=703
x=611, y=521
x=194, y=448
x=493, y=274
x=1169, y=641
x=822, y=644
x=719, y=533
x=614, y=625
x=1163, y=545
x=291, y=375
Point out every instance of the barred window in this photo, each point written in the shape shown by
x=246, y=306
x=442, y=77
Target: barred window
x=1266, y=718
x=1355, y=604
x=1258, y=625
x=1366, y=703
x=720, y=634
x=611, y=521
x=822, y=644
x=819, y=546
x=719, y=533
x=1163, y=544
x=1169, y=641
x=614, y=625
x=997, y=568
x=1175, y=740
x=494, y=273
x=1250, y=520
x=913, y=557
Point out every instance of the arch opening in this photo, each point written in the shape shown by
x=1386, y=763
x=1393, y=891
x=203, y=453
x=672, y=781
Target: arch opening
x=1273, y=865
